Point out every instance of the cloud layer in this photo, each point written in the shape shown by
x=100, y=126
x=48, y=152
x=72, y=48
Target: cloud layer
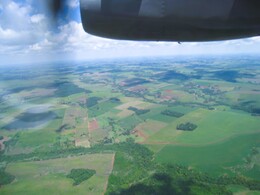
x=26, y=34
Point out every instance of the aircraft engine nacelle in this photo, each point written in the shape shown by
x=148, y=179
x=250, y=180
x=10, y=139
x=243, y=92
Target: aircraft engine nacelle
x=171, y=20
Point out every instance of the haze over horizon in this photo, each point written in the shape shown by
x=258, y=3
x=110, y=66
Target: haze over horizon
x=26, y=36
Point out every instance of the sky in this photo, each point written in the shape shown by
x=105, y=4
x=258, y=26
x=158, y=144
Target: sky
x=28, y=36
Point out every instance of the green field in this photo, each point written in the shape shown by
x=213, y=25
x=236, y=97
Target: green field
x=49, y=176
x=215, y=159
x=213, y=127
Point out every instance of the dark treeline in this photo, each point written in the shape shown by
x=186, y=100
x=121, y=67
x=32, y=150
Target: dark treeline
x=172, y=113
x=138, y=111
x=135, y=81
x=248, y=107
x=5, y=178
x=129, y=147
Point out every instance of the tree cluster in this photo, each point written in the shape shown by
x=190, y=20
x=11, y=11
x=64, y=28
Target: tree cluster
x=172, y=113
x=92, y=101
x=186, y=126
x=138, y=111
x=80, y=175
x=5, y=178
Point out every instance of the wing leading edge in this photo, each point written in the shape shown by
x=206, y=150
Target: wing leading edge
x=171, y=20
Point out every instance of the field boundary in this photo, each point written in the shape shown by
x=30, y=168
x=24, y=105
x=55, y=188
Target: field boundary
x=110, y=168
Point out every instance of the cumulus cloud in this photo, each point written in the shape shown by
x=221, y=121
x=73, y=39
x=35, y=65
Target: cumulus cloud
x=25, y=31
x=19, y=25
x=37, y=18
x=40, y=46
x=8, y=34
x=14, y=15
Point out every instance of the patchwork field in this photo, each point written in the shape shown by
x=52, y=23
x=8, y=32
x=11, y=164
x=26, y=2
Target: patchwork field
x=186, y=125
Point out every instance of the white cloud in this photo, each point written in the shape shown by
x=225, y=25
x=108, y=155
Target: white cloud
x=43, y=46
x=35, y=47
x=37, y=18
x=8, y=34
x=14, y=15
x=255, y=39
x=19, y=25
x=73, y=3
x=24, y=31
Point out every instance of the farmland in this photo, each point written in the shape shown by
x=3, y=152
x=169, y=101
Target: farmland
x=187, y=125
x=50, y=175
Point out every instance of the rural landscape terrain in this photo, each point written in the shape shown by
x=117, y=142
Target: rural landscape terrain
x=169, y=125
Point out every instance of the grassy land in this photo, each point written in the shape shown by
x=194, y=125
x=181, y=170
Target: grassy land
x=213, y=127
x=49, y=177
x=214, y=159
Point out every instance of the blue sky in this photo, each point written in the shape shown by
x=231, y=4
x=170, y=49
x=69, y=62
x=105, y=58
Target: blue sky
x=26, y=35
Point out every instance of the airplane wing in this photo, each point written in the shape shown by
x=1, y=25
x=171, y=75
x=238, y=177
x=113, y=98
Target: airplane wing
x=171, y=20
x=168, y=20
